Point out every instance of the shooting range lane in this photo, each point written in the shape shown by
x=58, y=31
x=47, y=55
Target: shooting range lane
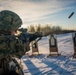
x=43, y=45
x=65, y=44
x=60, y=65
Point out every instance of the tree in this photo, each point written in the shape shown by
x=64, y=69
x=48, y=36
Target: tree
x=31, y=28
x=38, y=28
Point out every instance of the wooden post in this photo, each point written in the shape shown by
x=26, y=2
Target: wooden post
x=35, y=50
x=74, y=41
x=53, y=46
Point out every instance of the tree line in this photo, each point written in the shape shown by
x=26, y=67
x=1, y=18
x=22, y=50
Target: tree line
x=48, y=29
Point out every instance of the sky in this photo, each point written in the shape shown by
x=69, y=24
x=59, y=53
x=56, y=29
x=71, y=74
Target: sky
x=53, y=12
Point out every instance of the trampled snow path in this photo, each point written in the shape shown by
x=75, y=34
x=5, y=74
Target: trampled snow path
x=41, y=65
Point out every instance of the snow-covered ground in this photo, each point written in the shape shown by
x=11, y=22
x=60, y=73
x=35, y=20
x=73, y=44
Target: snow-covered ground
x=41, y=65
x=54, y=65
x=65, y=44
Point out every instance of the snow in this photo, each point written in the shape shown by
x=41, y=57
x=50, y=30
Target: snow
x=65, y=44
x=42, y=65
x=64, y=64
x=43, y=45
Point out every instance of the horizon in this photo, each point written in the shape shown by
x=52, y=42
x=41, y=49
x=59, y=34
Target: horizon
x=34, y=12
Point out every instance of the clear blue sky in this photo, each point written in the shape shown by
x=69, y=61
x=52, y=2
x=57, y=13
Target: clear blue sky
x=53, y=12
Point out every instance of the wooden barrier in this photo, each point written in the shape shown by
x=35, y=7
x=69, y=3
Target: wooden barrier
x=35, y=50
x=53, y=46
x=74, y=41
